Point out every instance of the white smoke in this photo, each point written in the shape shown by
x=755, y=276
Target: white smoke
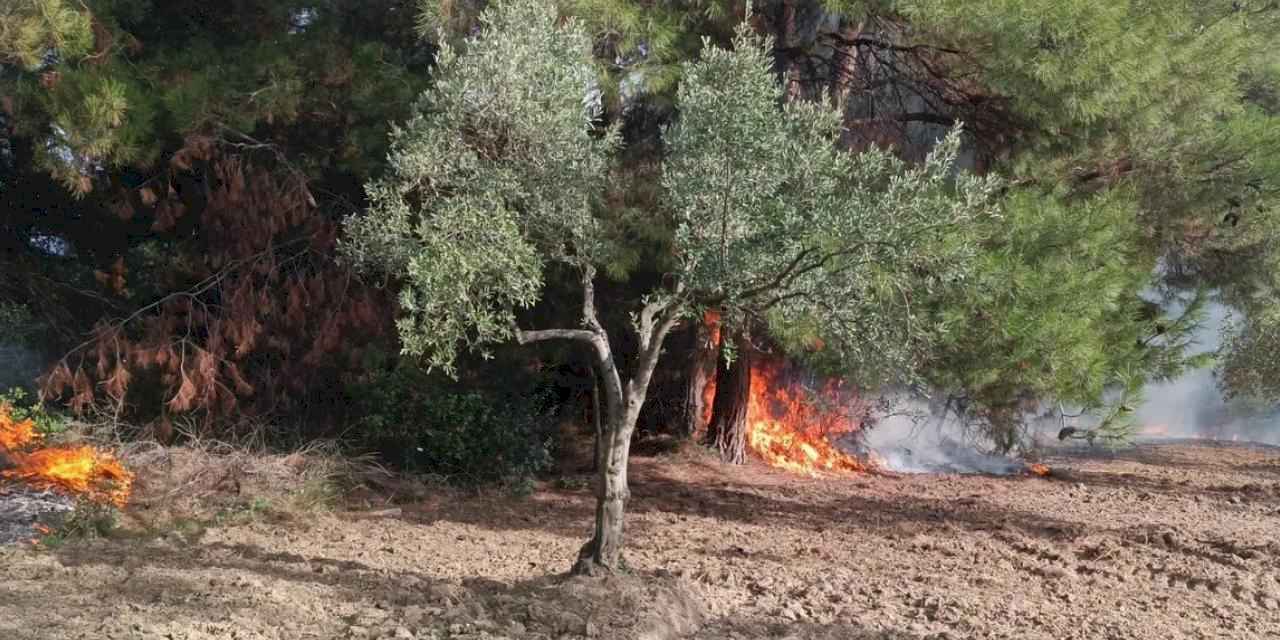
x=19, y=365
x=1184, y=407
x=1193, y=405
x=911, y=434
x=915, y=435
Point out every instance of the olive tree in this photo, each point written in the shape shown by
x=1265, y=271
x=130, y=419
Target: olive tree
x=778, y=227
x=493, y=180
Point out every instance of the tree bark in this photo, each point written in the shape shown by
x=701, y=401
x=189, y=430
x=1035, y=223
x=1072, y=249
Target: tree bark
x=728, y=429
x=702, y=372
x=602, y=554
x=622, y=402
x=596, y=420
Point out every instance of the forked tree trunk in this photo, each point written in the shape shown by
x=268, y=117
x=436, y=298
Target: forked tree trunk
x=728, y=430
x=622, y=402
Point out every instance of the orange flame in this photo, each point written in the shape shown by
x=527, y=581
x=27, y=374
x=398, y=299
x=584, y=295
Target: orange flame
x=712, y=321
x=15, y=435
x=77, y=470
x=1155, y=430
x=1039, y=469
x=791, y=430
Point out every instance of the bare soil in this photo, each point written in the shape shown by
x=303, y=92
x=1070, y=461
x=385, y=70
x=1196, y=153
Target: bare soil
x=1160, y=541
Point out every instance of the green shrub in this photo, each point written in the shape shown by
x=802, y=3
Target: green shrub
x=22, y=407
x=87, y=521
x=418, y=423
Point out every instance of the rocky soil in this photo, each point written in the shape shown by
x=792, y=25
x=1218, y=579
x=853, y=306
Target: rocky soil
x=1160, y=541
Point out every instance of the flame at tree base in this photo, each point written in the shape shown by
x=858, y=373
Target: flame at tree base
x=797, y=452
x=81, y=471
x=791, y=428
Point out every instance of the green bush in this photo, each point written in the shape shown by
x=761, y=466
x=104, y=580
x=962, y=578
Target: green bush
x=89, y=520
x=418, y=423
x=22, y=407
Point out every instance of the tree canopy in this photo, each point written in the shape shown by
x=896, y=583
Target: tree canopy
x=173, y=177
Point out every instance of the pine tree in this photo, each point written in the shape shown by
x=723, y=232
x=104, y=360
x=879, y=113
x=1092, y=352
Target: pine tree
x=191, y=162
x=1164, y=112
x=30, y=30
x=1059, y=312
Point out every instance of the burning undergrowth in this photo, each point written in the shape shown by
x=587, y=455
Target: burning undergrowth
x=49, y=484
x=919, y=436
x=792, y=425
x=78, y=471
x=808, y=425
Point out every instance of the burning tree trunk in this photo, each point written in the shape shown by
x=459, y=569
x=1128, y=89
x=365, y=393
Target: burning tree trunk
x=728, y=429
x=701, y=376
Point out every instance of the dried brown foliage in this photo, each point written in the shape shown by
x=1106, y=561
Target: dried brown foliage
x=259, y=317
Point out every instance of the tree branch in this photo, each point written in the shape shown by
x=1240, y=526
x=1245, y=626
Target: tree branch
x=530, y=337
x=914, y=116
x=862, y=40
x=777, y=280
x=654, y=333
x=589, y=317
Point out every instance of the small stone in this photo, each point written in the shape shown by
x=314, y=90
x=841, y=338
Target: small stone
x=403, y=632
x=591, y=630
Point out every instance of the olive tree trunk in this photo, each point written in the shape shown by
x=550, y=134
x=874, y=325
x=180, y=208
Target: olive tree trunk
x=597, y=423
x=603, y=552
x=622, y=403
x=728, y=429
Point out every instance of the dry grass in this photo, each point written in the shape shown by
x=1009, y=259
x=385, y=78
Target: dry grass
x=206, y=480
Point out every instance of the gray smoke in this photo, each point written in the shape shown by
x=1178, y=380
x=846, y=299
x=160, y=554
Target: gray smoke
x=19, y=365
x=916, y=435
x=912, y=434
x=1193, y=405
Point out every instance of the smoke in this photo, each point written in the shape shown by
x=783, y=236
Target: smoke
x=1185, y=407
x=19, y=365
x=1193, y=406
x=915, y=435
x=921, y=436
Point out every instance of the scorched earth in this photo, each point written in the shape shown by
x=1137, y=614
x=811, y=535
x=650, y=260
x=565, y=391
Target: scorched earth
x=1160, y=541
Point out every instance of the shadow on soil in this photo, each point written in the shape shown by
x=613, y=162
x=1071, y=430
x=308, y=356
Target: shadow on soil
x=569, y=513
x=541, y=602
